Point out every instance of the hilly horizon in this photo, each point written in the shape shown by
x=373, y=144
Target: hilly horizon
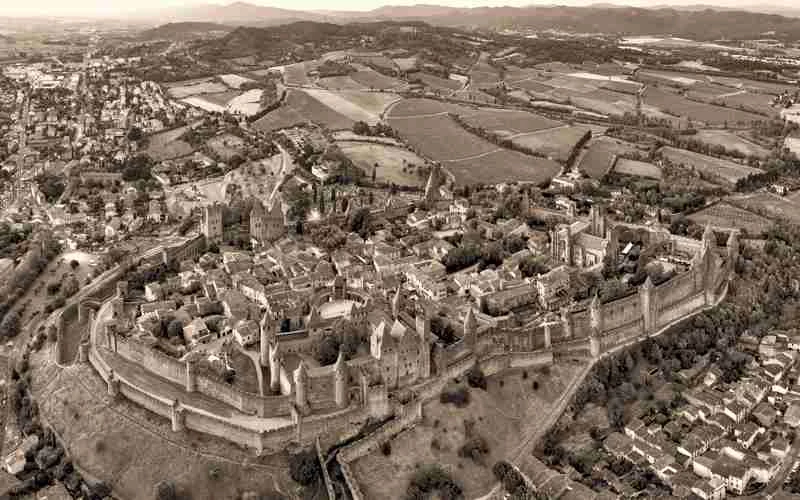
x=241, y=12
x=701, y=24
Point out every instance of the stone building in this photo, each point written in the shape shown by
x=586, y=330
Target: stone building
x=582, y=243
x=266, y=225
x=211, y=224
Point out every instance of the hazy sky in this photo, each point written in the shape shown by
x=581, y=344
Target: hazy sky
x=107, y=7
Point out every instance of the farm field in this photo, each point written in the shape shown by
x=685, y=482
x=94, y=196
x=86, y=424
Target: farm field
x=247, y=104
x=499, y=415
x=356, y=106
x=475, y=96
x=503, y=165
x=204, y=104
x=395, y=164
x=758, y=86
x=440, y=138
x=206, y=87
x=637, y=168
x=508, y=122
x=771, y=205
x=339, y=83
x=723, y=170
x=221, y=98
x=234, y=81
x=750, y=101
x=793, y=144
x=348, y=135
x=301, y=108
x=555, y=143
x=483, y=74
x=438, y=83
x=168, y=145
x=297, y=74
x=677, y=105
x=374, y=103
x=416, y=107
x=730, y=140
x=406, y=63
x=724, y=215
x=368, y=78
x=598, y=158
x=532, y=86
x=226, y=145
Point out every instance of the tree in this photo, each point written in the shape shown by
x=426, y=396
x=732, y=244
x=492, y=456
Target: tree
x=304, y=467
x=358, y=222
x=476, y=378
x=430, y=480
x=70, y=287
x=9, y=327
x=74, y=264
x=175, y=329
x=328, y=350
x=361, y=128
x=165, y=490
x=135, y=134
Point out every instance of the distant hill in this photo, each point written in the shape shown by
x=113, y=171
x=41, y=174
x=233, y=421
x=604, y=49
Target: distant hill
x=700, y=25
x=235, y=14
x=275, y=40
x=183, y=31
x=693, y=21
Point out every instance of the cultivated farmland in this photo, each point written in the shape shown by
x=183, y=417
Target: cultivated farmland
x=192, y=89
x=724, y=215
x=358, y=106
x=395, y=165
x=716, y=168
x=415, y=107
x=507, y=122
x=792, y=144
x=637, y=168
x=426, y=126
x=437, y=83
x=234, y=81
x=302, y=108
x=222, y=98
x=503, y=165
x=677, y=105
x=483, y=74
x=168, y=145
x=556, y=143
x=371, y=79
x=771, y=205
x=598, y=158
x=731, y=141
x=440, y=138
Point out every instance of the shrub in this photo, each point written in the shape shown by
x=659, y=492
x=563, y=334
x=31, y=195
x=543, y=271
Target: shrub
x=432, y=479
x=304, y=467
x=475, y=448
x=458, y=396
x=165, y=490
x=476, y=378
x=386, y=448
x=535, y=385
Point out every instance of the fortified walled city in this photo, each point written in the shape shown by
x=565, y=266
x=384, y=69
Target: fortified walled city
x=416, y=253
